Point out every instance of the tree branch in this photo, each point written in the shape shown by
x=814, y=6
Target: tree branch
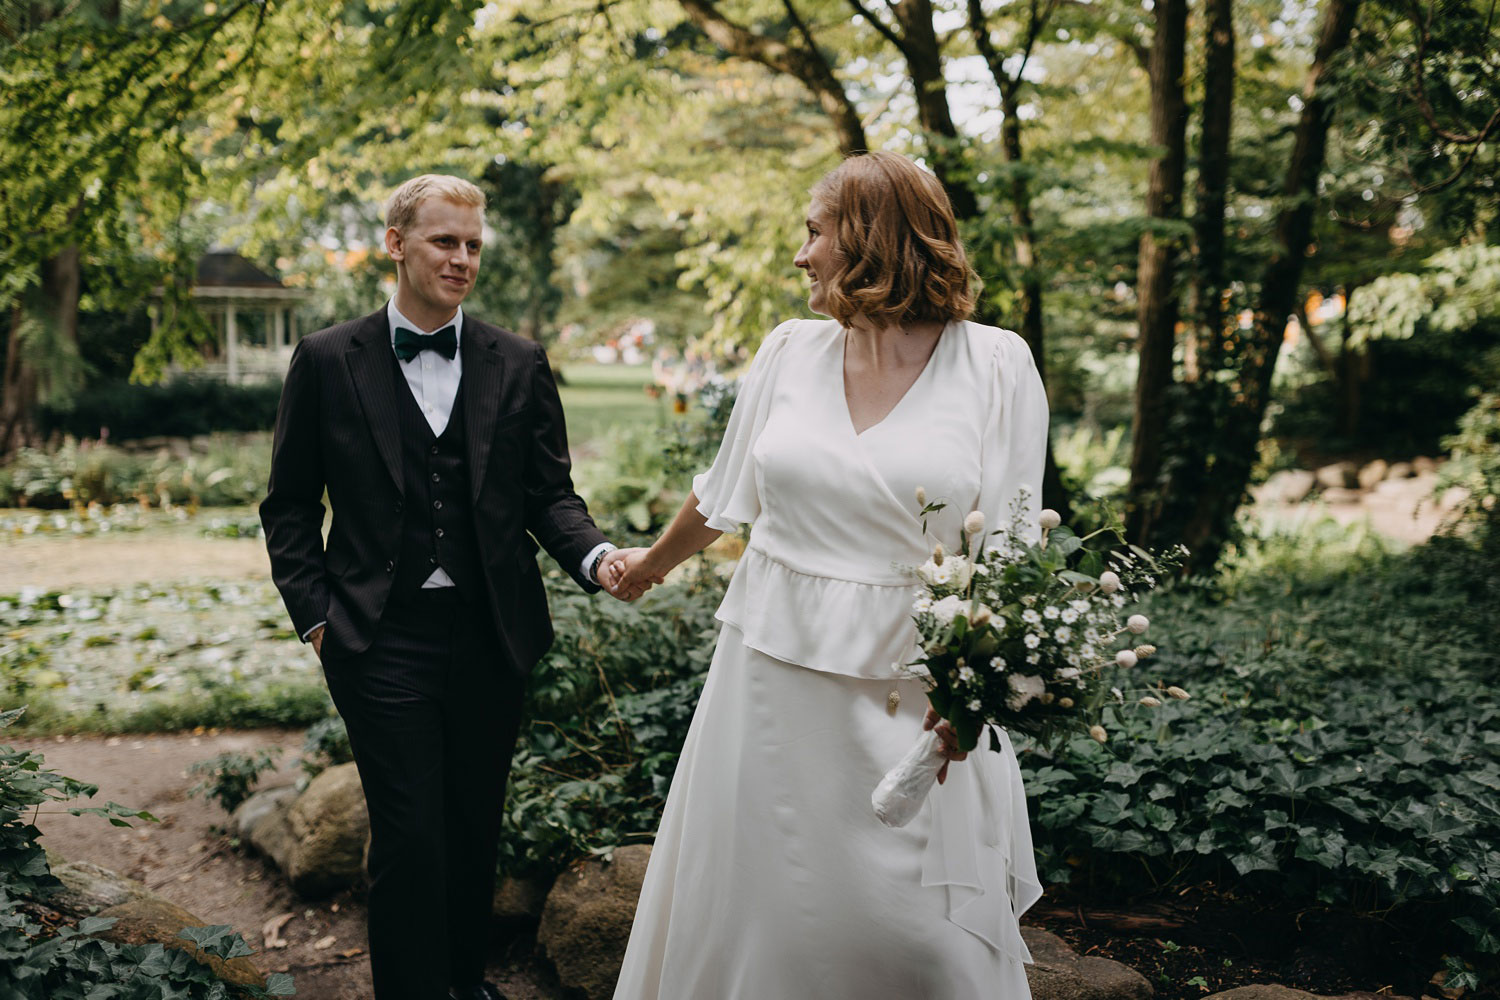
x=879, y=25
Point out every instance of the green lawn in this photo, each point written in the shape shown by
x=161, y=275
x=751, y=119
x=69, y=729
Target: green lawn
x=598, y=397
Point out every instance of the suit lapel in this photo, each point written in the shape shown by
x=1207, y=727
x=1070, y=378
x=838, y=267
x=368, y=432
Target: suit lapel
x=369, y=360
x=482, y=378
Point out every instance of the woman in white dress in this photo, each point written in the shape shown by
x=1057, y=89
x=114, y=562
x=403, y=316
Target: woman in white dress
x=771, y=878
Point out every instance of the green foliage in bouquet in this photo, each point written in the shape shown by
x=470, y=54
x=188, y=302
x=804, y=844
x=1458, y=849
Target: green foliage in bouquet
x=1022, y=634
x=39, y=961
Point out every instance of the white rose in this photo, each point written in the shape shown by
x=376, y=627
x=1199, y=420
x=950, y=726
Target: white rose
x=949, y=608
x=1024, y=687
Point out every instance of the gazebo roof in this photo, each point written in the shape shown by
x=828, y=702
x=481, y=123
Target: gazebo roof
x=225, y=276
x=225, y=269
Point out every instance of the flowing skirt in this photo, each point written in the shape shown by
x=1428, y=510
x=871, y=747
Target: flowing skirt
x=771, y=878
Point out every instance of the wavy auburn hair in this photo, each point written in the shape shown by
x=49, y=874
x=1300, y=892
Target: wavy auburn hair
x=897, y=253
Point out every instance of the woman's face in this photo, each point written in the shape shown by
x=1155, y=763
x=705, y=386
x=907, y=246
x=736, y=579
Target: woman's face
x=816, y=256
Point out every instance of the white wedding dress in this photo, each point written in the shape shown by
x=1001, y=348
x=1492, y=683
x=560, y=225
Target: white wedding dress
x=771, y=878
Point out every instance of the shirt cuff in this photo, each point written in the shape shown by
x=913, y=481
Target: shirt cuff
x=595, y=553
x=309, y=632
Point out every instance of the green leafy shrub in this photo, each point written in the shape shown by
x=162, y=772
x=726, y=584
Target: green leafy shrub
x=45, y=962
x=609, y=706
x=224, y=471
x=1474, y=464
x=1341, y=748
x=229, y=778
x=184, y=407
x=325, y=745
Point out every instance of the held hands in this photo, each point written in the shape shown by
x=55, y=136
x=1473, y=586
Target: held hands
x=948, y=736
x=625, y=575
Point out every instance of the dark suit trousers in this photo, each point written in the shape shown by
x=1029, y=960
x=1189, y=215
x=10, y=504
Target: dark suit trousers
x=432, y=712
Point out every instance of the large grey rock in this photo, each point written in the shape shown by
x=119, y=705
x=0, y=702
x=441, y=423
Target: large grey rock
x=1342, y=474
x=88, y=889
x=1288, y=486
x=1373, y=472
x=1060, y=973
x=586, y=921
x=262, y=822
x=152, y=919
x=520, y=900
x=328, y=825
x=1275, y=991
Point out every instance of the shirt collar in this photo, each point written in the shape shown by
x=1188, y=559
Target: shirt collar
x=394, y=319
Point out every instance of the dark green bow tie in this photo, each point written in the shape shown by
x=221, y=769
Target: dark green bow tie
x=410, y=343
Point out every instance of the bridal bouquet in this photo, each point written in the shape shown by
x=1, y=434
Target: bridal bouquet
x=1030, y=636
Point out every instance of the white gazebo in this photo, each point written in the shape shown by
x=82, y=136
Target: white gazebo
x=253, y=314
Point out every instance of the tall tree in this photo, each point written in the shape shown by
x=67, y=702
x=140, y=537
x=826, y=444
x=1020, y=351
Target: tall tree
x=1159, y=252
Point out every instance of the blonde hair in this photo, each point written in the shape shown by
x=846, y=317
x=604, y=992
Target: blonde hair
x=401, y=207
x=898, y=256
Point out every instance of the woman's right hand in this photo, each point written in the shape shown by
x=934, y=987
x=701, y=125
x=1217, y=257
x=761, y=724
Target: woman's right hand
x=632, y=574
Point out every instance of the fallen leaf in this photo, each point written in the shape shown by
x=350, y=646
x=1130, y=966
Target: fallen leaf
x=351, y=952
x=272, y=930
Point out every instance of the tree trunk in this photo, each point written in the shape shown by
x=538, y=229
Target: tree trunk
x=1159, y=307
x=1211, y=192
x=18, y=397
x=924, y=64
x=1212, y=520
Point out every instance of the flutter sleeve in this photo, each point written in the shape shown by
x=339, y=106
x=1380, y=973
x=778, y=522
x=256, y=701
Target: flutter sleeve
x=727, y=493
x=1015, y=437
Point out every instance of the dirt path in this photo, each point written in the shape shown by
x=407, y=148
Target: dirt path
x=52, y=563
x=185, y=860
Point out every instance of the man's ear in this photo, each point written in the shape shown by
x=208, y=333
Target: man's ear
x=395, y=245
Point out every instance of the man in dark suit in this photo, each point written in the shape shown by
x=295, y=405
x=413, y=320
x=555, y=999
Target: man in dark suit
x=440, y=442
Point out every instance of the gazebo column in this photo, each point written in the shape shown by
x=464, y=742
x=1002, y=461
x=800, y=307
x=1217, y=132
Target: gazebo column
x=278, y=327
x=231, y=344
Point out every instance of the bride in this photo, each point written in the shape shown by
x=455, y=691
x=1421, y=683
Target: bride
x=771, y=878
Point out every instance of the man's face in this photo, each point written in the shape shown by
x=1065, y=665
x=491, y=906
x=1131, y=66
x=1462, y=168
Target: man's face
x=439, y=254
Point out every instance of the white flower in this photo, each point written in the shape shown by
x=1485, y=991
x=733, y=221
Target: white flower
x=1049, y=519
x=974, y=523
x=1049, y=612
x=980, y=569
x=1118, y=600
x=1109, y=581
x=1137, y=623
x=997, y=663
x=1087, y=651
x=974, y=705
x=1069, y=673
x=949, y=608
x=966, y=674
x=1030, y=617
x=922, y=604
x=1069, y=616
x=1033, y=658
x=1079, y=606
x=952, y=571
x=1024, y=687
x=1126, y=658
x=1032, y=640
x=1119, y=695
x=982, y=616
x=1063, y=633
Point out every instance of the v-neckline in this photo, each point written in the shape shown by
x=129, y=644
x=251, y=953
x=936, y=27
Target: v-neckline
x=843, y=343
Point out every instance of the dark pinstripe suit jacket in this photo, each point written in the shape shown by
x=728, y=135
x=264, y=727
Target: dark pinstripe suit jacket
x=337, y=430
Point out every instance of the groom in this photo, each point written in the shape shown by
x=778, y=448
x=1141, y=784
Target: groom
x=439, y=440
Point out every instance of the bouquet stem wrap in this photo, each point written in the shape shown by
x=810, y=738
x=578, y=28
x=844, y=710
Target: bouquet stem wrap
x=904, y=788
